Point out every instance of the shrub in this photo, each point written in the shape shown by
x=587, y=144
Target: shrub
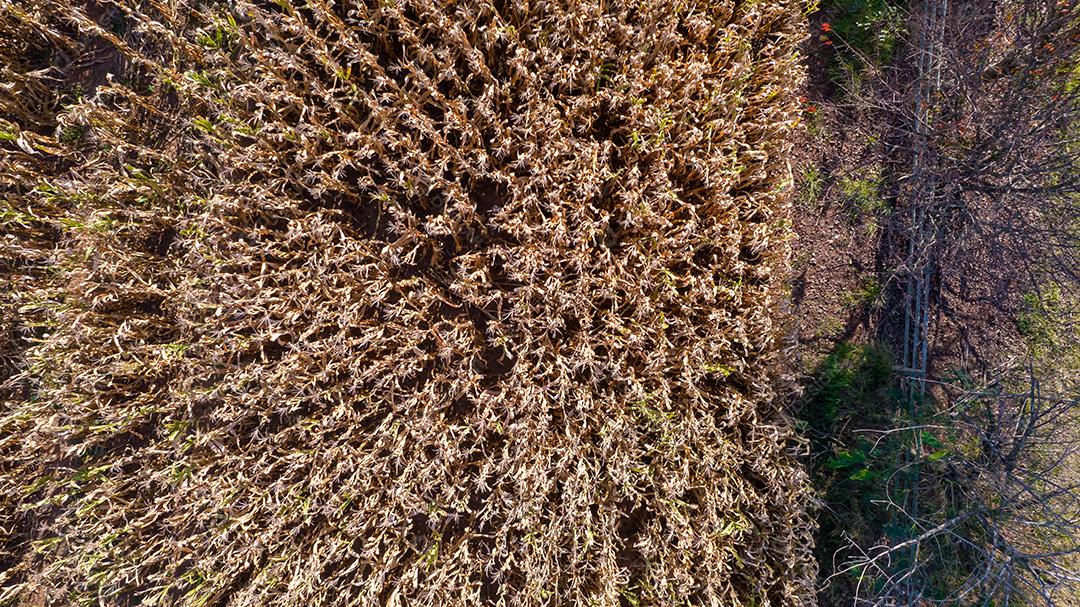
x=399, y=302
x=869, y=293
x=869, y=31
x=848, y=384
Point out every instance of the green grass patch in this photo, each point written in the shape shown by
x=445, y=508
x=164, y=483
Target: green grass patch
x=811, y=186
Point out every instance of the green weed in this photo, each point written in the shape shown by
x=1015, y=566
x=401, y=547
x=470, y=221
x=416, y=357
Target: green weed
x=863, y=192
x=812, y=185
x=72, y=133
x=849, y=379
x=1036, y=319
x=1045, y=321
x=869, y=294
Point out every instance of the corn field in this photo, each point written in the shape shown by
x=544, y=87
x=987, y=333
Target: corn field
x=397, y=302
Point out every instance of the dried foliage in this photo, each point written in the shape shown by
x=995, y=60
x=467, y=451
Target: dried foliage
x=402, y=303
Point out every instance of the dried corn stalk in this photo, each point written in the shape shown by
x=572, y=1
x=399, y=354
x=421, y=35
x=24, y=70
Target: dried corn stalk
x=396, y=303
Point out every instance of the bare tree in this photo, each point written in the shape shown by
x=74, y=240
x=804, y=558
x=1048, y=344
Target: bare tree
x=986, y=110
x=1005, y=497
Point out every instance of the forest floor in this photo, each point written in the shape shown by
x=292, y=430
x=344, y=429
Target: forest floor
x=847, y=303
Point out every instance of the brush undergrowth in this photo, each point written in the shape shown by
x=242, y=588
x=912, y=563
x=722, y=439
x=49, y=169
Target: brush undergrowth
x=865, y=33
x=887, y=469
x=852, y=388
x=402, y=302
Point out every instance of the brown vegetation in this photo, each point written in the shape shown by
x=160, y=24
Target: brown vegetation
x=395, y=303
